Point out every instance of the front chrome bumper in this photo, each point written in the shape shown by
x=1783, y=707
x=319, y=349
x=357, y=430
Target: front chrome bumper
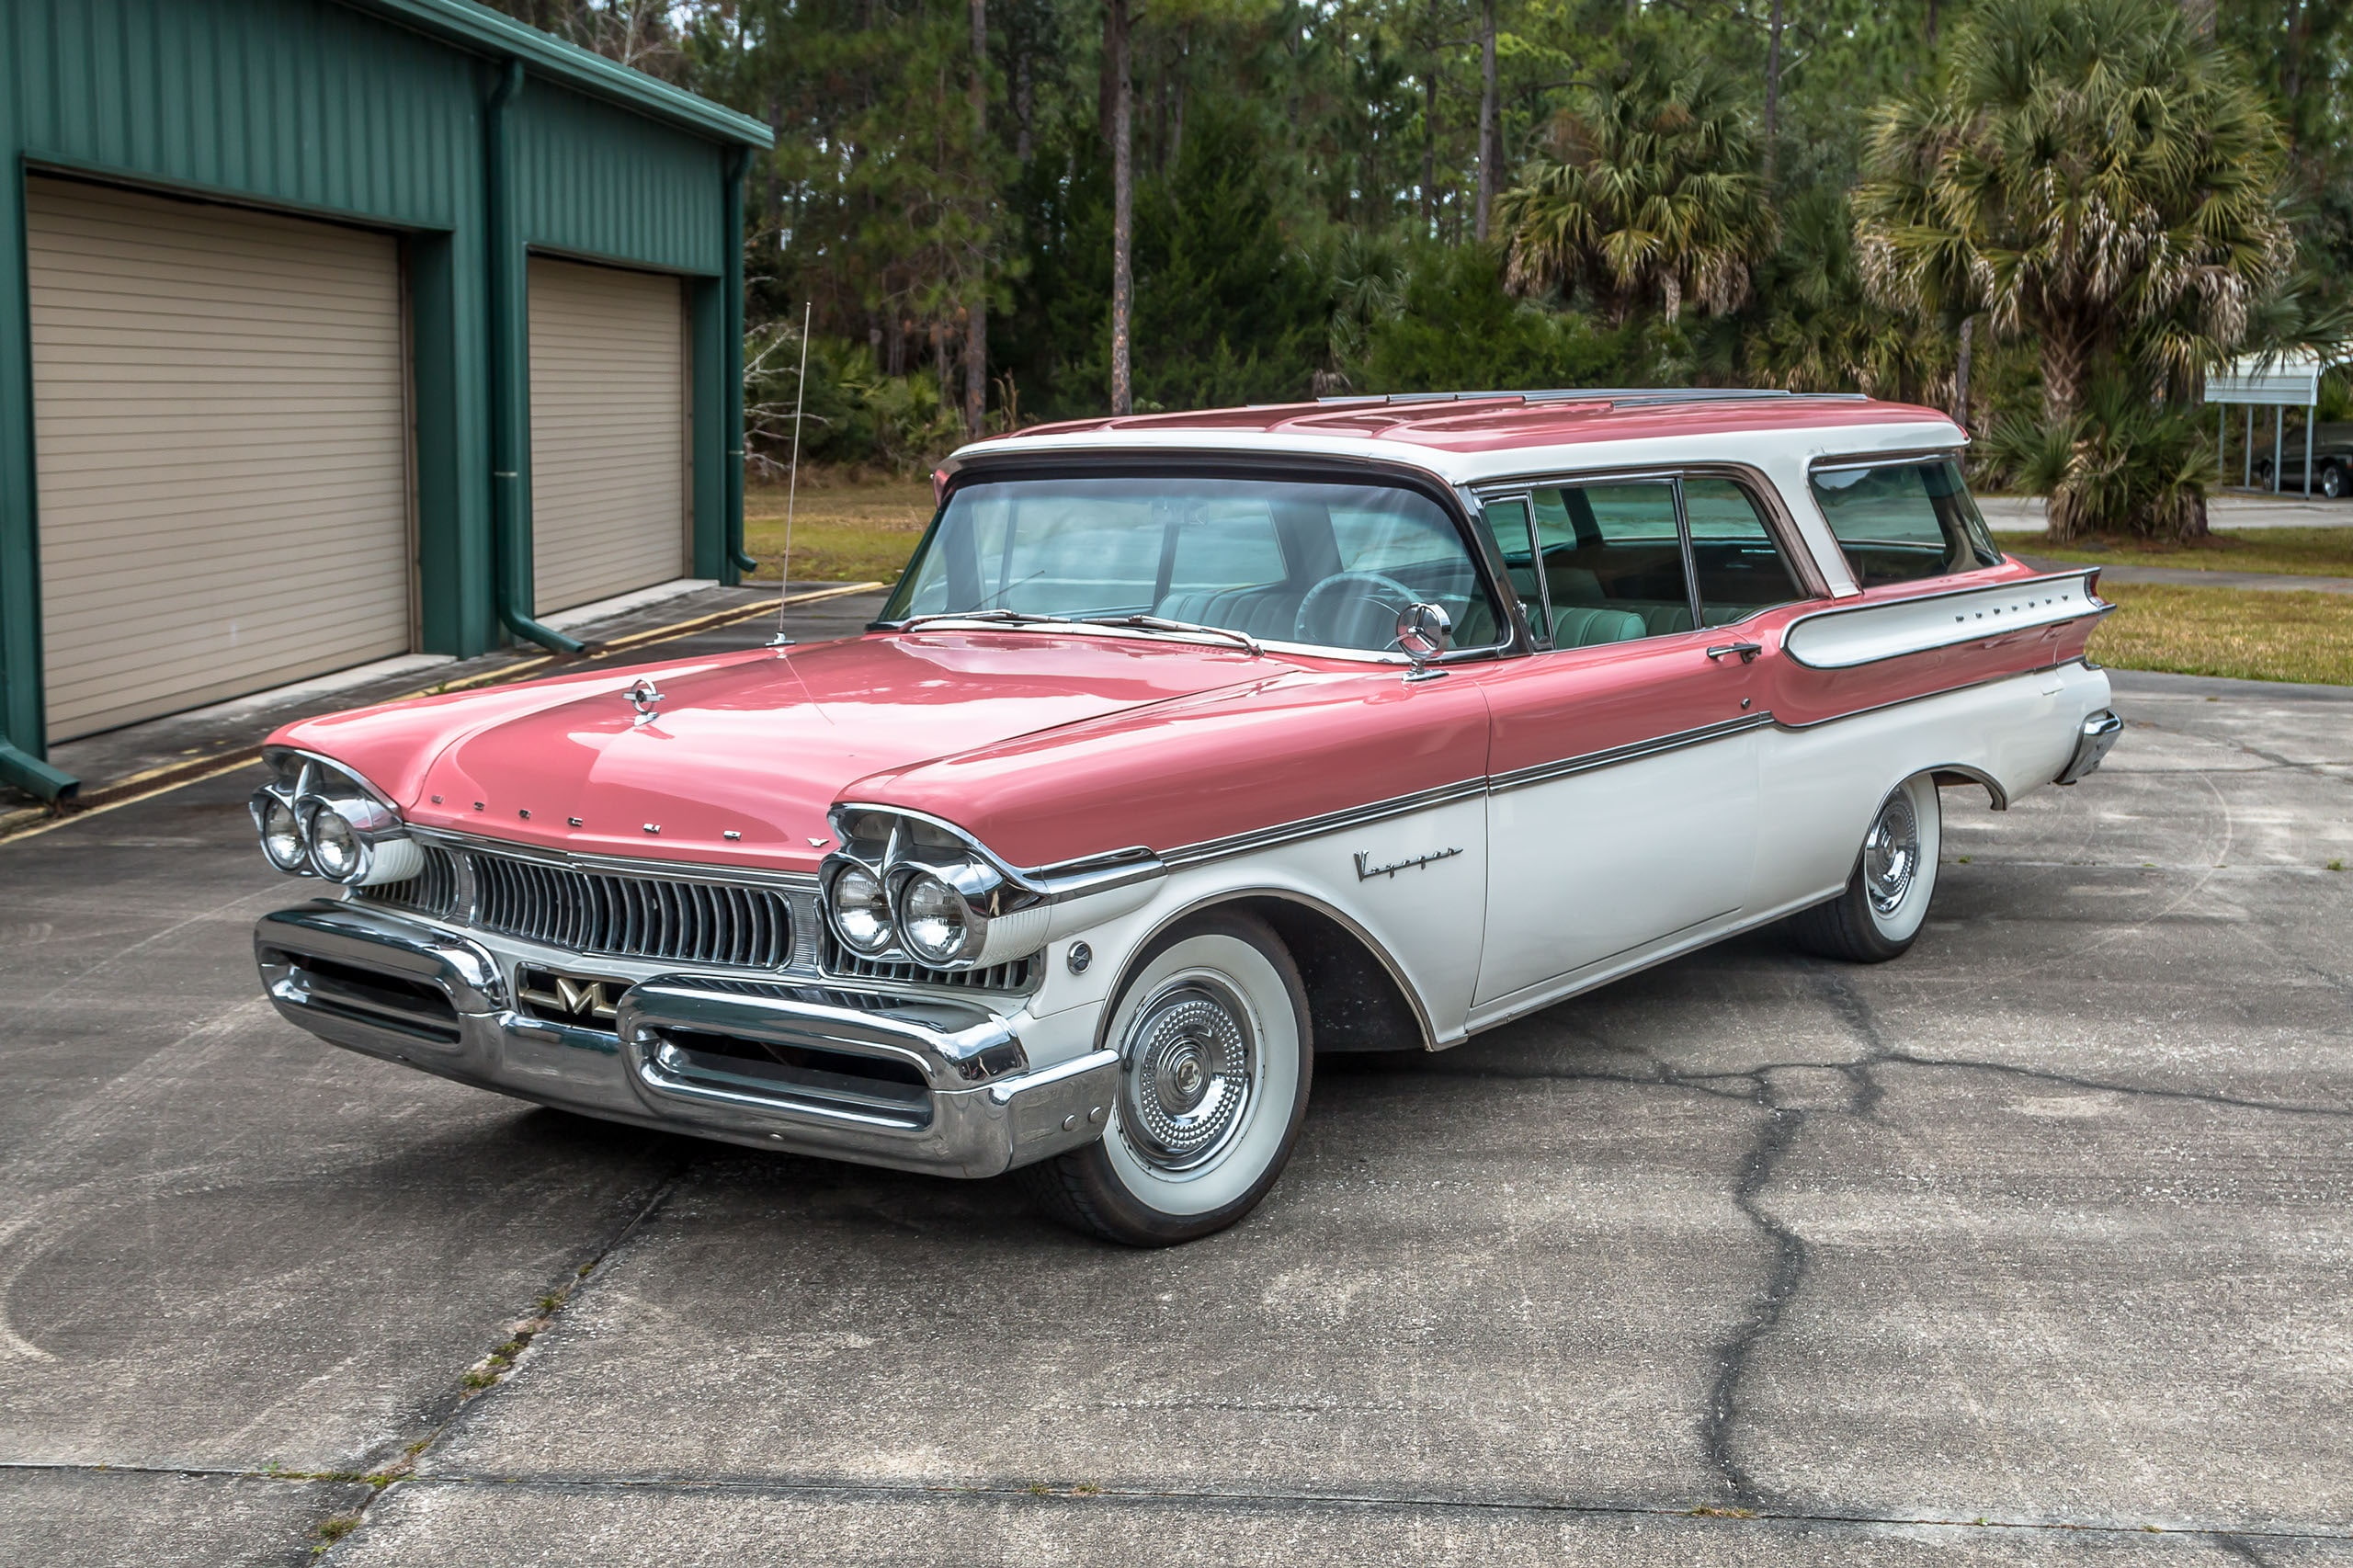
x=914, y=1084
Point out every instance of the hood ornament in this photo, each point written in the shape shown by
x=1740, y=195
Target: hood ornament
x=643, y=697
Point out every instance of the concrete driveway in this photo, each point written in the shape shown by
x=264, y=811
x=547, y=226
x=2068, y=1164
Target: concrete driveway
x=2034, y=1245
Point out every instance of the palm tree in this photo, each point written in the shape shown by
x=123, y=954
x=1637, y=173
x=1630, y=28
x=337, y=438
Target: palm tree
x=2094, y=177
x=1646, y=189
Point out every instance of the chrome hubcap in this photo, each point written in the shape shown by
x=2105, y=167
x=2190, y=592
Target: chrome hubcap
x=1191, y=1060
x=1892, y=854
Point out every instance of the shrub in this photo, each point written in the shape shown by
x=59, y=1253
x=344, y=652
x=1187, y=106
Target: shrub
x=2123, y=464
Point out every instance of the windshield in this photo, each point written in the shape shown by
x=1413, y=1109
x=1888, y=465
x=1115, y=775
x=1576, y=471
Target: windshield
x=1284, y=560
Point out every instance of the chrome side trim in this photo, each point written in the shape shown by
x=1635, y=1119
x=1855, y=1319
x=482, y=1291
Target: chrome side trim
x=1889, y=459
x=1331, y=822
x=2026, y=615
x=1545, y=772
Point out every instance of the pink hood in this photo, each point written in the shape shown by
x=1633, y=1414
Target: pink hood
x=758, y=743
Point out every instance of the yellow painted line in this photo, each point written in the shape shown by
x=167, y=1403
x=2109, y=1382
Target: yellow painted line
x=213, y=767
x=243, y=760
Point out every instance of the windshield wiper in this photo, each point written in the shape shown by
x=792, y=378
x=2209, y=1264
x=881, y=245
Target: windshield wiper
x=1133, y=623
x=993, y=617
x=1162, y=623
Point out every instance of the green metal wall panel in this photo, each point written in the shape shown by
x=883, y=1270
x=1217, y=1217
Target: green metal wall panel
x=592, y=180
x=289, y=102
x=342, y=109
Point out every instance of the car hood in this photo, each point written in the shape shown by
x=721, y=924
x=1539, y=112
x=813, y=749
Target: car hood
x=739, y=759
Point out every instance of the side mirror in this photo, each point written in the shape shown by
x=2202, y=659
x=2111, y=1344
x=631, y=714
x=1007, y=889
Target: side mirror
x=1424, y=632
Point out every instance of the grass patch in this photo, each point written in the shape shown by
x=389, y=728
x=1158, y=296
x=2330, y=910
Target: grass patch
x=847, y=527
x=2302, y=552
x=2248, y=634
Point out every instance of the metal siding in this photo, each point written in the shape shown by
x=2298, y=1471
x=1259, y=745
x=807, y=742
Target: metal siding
x=222, y=459
x=284, y=101
x=370, y=111
x=597, y=181
x=609, y=477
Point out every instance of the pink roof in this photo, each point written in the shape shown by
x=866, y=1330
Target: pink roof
x=1507, y=420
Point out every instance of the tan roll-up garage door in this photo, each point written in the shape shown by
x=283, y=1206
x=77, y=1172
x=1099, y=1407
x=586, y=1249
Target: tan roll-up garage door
x=609, y=437
x=219, y=431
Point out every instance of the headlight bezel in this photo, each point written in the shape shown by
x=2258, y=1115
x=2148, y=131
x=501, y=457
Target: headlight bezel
x=309, y=787
x=1002, y=914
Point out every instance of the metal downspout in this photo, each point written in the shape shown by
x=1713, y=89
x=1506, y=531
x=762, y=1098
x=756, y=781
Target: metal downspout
x=731, y=356
x=23, y=697
x=505, y=313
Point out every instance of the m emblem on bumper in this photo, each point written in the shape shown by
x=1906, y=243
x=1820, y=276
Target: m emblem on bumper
x=586, y=1001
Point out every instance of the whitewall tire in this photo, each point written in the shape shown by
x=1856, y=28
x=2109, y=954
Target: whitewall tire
x=1218, y=1056
x=1886, y=899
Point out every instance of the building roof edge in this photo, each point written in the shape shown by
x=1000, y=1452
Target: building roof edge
x=484, y=31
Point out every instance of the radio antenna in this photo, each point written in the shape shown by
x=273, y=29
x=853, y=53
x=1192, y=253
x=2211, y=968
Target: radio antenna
x=793, y=483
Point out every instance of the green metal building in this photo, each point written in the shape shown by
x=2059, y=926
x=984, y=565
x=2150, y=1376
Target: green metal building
x=337, y=330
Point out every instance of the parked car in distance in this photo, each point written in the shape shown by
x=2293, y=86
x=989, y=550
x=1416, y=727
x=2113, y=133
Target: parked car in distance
x=2332, y=462
x=1188, y=749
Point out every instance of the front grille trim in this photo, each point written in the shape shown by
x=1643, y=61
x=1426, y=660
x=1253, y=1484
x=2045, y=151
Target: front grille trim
x=601, y=912
x=1015, y=975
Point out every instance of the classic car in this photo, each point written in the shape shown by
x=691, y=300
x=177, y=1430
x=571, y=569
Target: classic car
x=2331, y=463
x=1188, y=748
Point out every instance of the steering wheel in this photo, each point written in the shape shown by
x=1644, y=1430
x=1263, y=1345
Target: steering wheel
x=1352, y=609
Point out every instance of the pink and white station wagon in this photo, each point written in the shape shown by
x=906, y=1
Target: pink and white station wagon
x=1189, y=746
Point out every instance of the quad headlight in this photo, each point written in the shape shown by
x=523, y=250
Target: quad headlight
x=902, y=887
x=859, y=910
x=937, y=926
x=319, y=820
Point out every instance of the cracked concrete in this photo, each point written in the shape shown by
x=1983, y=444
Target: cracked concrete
x=2044, y=1227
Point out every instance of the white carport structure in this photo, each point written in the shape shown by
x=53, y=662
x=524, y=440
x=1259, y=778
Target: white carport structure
x=2282, y=382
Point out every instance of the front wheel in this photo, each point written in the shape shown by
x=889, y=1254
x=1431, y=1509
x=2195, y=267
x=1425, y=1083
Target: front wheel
x=1886, y=899
x=2332, y=481
x=1216, y=1058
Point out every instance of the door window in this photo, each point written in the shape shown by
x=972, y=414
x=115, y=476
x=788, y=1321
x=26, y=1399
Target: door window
x=1613, y=563
x=1738, y=567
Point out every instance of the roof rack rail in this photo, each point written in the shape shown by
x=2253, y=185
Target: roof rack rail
x=1630, y=395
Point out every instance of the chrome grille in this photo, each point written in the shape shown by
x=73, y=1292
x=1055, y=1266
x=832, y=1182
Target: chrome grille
x=647, y=918
x=844, y=964
x=433, y=890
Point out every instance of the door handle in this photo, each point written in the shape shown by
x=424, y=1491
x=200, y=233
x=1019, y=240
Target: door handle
x=1747, y=651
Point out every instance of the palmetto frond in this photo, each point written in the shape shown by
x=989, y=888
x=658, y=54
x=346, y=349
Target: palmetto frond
x=1647, y=188
x=2086, y=172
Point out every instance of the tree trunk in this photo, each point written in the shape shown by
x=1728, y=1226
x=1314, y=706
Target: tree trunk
x=2062, y=372
x=1429, y=131
x=1961, y=372
x=1177, y=117
x=976, y=320
x=1024, y=99
x=1489, y=134
x=1772, y=88
x=1123, y=206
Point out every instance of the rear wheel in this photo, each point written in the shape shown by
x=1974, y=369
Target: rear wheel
x=1216, y=1061
x=2332, y=481
x=1886, y=899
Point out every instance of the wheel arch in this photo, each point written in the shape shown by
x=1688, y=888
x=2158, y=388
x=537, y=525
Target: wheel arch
x=1357, y=997
x=1959, y=774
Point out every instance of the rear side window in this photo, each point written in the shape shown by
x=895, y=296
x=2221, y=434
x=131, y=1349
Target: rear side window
x=1901, y=522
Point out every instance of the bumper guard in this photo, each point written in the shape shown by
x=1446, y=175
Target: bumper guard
x=914, y=1084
